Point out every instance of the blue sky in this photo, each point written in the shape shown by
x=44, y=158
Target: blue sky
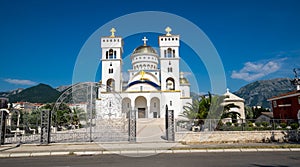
x=40, y=40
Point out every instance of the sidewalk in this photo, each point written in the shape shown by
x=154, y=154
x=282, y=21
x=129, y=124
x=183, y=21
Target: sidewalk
x=135, y=149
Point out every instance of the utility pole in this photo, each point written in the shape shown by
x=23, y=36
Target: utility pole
x=296, y=80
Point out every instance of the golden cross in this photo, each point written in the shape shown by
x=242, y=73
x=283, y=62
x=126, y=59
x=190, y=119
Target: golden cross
x=142, y=73
x=168, y=30
x=113, y=30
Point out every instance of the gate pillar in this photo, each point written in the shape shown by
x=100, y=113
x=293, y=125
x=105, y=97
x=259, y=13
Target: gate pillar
x=170, y=131
x=132, y=126
x=45, y=126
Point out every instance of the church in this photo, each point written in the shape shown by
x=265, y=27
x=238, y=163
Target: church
x=155, y=80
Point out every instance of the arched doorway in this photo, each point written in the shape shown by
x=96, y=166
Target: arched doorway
x=141, y=106
x=154, y=107
x=126, y=106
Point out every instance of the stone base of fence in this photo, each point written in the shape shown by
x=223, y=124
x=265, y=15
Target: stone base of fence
x=237, y=136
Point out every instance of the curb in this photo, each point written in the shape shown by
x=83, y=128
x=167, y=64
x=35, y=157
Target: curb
x=137, y=152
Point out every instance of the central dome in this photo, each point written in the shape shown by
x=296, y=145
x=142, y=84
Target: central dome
x=144, y=49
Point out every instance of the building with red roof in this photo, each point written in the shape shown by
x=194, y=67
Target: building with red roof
x=286, y=106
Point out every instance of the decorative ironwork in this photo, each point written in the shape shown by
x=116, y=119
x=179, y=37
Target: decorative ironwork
x=104, y=122
x=45, y=126
x=132, y=126
x=170, y=131
x=2, y=126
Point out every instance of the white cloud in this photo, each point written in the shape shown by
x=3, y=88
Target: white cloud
x=20, y=81
x=253, y=71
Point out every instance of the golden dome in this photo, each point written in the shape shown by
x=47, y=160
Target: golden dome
x=144, y=49
x=184, y=81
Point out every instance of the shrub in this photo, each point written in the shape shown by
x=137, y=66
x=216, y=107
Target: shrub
x=250, y=124
x=257, y=124
x=283, y=125
x=265, y=124
x=228, y=123
x=294, y=125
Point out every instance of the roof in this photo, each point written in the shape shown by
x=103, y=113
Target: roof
x=285, y=95
x=232, y=97
x=184, y=81
x=144, y=49
x=268, y=114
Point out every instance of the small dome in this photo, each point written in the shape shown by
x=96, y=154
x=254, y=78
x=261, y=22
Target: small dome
x=184, y=81
x=144, y=49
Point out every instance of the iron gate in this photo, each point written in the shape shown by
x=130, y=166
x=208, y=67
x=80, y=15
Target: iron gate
x=103, y=120
x=170, y=131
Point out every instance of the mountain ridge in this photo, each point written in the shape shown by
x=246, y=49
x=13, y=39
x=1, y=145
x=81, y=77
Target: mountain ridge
x=40, y=93
x=257, y=93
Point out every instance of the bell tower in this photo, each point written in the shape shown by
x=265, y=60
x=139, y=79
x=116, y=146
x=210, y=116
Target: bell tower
x=169, y=61
x=112, y=50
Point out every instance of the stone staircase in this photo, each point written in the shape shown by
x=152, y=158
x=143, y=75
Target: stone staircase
x=151, y=130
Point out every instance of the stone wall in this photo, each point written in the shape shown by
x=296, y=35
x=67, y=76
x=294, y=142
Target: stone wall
x=236, y=136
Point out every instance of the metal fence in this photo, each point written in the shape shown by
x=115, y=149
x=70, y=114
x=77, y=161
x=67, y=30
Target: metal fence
x=197, y=125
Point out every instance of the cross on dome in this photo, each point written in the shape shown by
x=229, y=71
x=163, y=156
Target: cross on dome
x=168, y=30
x=145, y=41
x=113, y=30
x=227, y=90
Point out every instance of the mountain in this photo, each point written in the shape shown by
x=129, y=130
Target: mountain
x=12, y=92
x=40, y=93
x=257, y=93
x=62, y=88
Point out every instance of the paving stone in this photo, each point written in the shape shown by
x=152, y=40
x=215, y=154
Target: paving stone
x=198, y=150
x=19, y=155
x=60, y=153
x=37, y=154
x=249, y=150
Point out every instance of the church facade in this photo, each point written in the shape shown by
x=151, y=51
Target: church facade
x=155, y=80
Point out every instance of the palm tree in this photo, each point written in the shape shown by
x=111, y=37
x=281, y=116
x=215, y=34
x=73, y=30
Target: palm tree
x=210, y=108
x=230, y=114
x=198, y=109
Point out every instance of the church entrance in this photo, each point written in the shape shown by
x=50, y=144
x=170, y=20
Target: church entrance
x=141, y=113
x=141, y=107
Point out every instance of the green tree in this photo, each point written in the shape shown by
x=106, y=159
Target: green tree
x=61, y=115
x=198, y=109
x=230, y=114
x=249, y=112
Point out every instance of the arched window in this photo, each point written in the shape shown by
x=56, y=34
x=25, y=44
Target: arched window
x=165, y=53
x=110, y=85
x=115, y=54
x=106, y=54
x=110, y=71
x=169, y=52
x=170, y=84
x=111, y=54
x=173, y=53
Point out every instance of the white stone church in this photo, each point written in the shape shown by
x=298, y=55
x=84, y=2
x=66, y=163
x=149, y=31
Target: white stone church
x=154, y=81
